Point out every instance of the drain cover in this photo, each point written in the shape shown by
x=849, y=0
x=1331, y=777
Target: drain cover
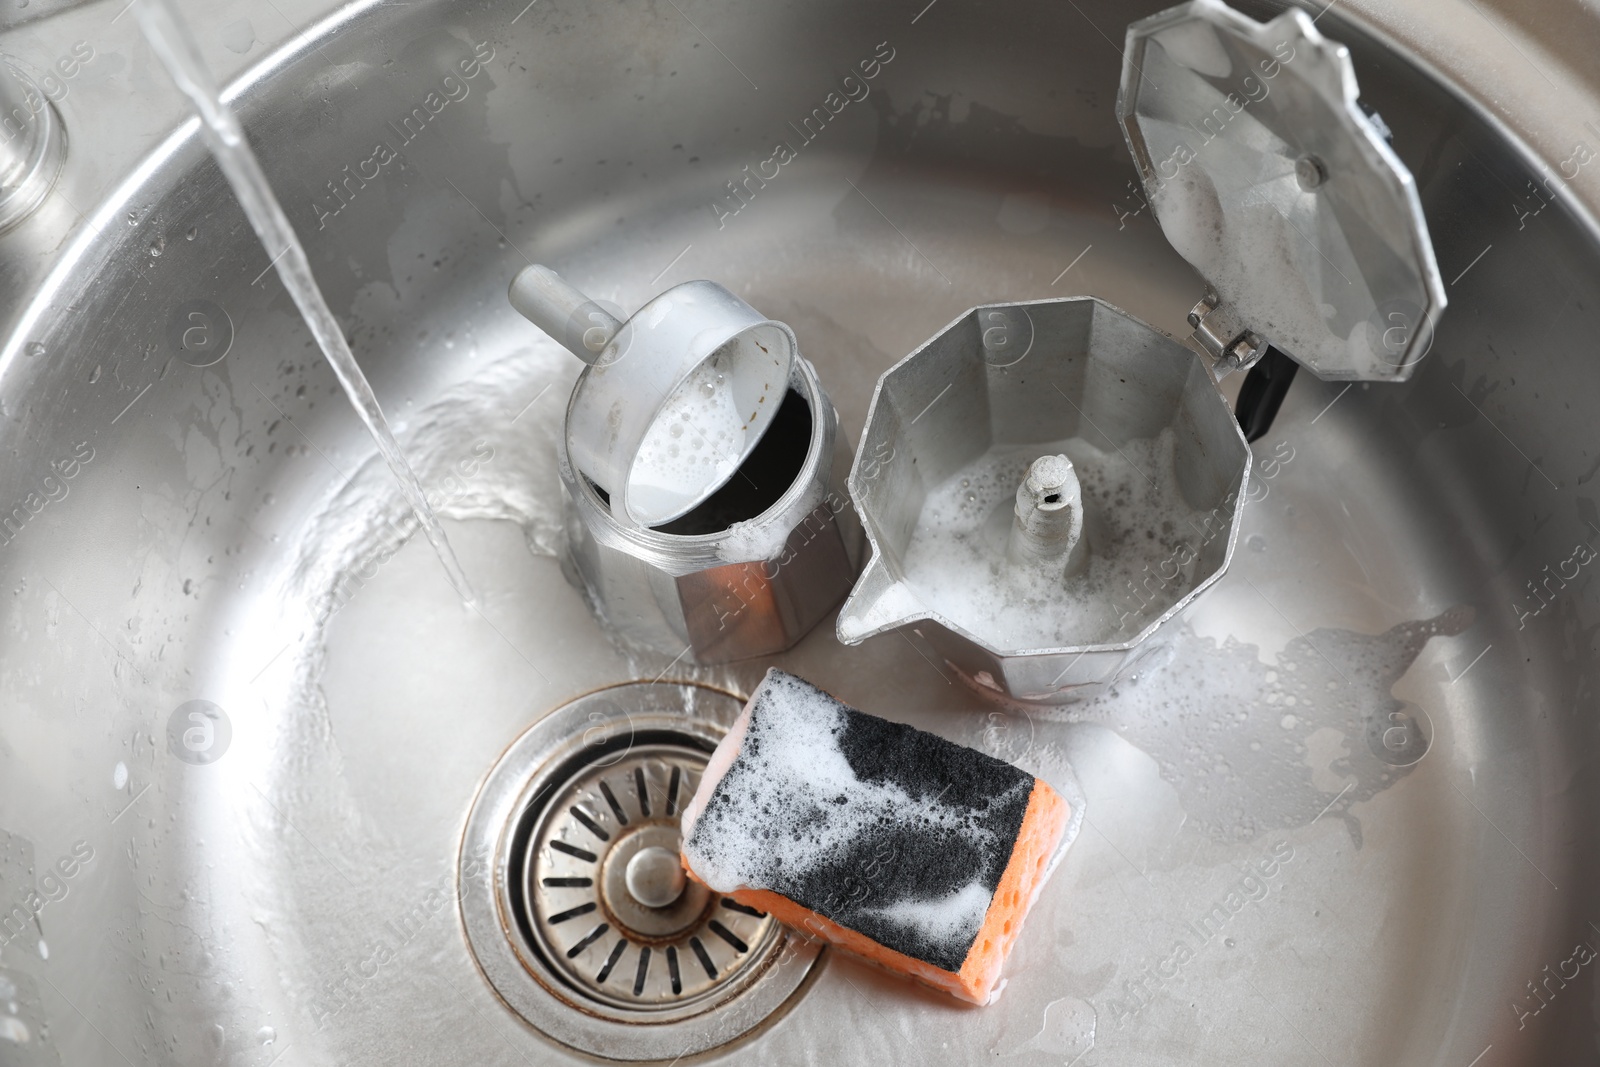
x=573, y=897
x=610, y=904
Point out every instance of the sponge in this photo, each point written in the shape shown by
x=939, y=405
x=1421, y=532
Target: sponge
x=911, y=851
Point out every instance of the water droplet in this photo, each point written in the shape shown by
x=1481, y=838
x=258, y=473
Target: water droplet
x=95, y=377
x=1256, y=543
x=158, y=246
x=194, y=231
x=133, y=218
x=44, y=950
x=119, y=775
x=1228, y=941
x=676, y=430
x=34, y=349
x=266, y=1035
x=1288, y=722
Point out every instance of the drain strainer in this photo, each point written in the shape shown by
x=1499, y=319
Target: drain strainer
x=573, y=897
x=611, y=905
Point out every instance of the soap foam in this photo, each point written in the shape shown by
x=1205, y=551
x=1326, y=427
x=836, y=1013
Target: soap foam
x=956, y=917
x=1139, y=532
x=792, y=771
x=752, y=540
x=694, y=445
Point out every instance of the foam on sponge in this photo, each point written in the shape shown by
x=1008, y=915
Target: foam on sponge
x=912, y=851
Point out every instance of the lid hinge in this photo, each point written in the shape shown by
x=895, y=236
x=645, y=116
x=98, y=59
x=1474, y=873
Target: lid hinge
x=1224, y=339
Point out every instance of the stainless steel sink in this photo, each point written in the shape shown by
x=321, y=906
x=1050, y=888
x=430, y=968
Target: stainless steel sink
x=1346, y=815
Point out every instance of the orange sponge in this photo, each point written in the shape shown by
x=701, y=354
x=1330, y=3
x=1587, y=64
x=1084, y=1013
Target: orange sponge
x=911, y=851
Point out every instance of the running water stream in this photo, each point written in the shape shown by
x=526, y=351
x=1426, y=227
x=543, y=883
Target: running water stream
x=179, y=53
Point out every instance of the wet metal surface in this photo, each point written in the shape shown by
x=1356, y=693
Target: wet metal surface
x=245, y=720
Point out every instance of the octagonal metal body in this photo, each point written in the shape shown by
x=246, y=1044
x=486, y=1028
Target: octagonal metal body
x=751, y=589
x=1268, y=176
x=1025, y=374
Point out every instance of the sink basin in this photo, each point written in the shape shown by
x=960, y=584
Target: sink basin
x=249, y=738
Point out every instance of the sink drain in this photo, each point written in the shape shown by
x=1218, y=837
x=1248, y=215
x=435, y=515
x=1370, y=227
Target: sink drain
x=574, y=900
x=610, y=903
